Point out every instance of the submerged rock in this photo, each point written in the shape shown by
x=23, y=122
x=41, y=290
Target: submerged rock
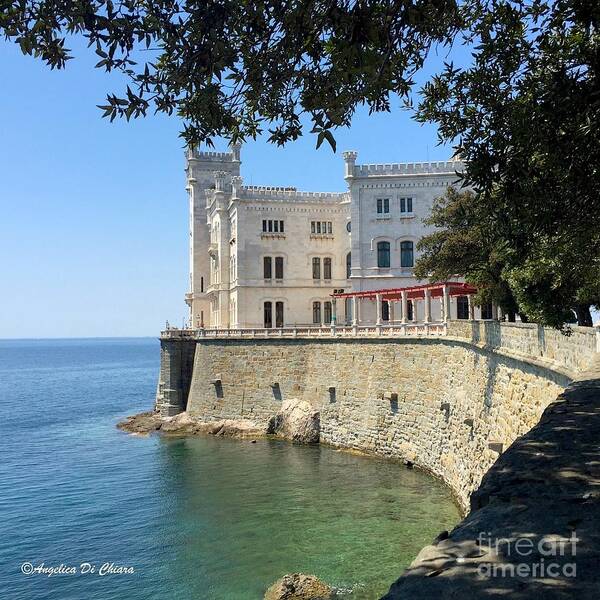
x=298, y=586
x=297, y=420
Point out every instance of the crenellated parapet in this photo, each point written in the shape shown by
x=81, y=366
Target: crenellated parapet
x=289, y=194
x=193, y=153
x=414, y=168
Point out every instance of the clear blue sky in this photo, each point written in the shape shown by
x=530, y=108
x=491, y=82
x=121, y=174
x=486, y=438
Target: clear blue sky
x=93, y=232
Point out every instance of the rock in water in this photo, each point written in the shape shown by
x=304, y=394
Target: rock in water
x=180, y=424
x=298, y=586
x=297, y=420
x=145, y=422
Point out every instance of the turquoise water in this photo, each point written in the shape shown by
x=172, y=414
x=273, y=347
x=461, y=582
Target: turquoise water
x=196, y=518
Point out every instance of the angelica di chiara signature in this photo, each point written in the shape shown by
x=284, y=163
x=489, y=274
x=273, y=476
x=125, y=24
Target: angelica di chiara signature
x=84, y=568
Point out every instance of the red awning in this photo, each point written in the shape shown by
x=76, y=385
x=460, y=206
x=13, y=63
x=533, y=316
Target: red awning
x=436, y=290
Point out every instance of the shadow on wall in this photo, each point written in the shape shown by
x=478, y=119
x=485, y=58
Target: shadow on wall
x=534, y=526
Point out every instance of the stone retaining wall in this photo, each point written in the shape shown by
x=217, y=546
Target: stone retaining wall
x=448, y=405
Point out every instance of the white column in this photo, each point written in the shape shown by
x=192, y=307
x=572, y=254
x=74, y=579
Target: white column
x=427, y=317
x=354, y=311
x=358, y=311
x=446, y=304
x=471, y=308
x=378, y=300
x=404, y=306
x=391, y=304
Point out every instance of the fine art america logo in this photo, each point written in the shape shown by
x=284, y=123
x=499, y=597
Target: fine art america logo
x=550, y=556
x=84, y=568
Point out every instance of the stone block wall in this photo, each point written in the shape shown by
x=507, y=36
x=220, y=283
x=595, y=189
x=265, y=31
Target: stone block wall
x=568, y=353
x=438, y=403
x=176, y=371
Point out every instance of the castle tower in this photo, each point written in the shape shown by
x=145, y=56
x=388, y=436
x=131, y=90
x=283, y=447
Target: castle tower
x=202, y=169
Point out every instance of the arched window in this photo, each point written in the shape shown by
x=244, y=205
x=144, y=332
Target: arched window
x=316, y=268
x=383, y=255
x=268, y=315
x=326, y=268
x=348, y=265
x=317, y=313
x=279, y=267
x=278, y=314
x=407, y=255
x=327, y=312
x=267, y=267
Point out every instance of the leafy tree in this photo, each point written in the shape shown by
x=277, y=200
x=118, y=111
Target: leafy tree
x=543, y=278
x=233, y=67
x=524, y=116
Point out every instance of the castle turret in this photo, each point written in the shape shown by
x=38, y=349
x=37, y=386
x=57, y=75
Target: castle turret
x=350, y=157
x=205, y=171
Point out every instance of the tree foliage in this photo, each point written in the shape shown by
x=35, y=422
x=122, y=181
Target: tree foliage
x=544, y=278
x=234, y=67
x=525, y=118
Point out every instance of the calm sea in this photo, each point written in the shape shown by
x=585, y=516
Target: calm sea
x=197, y=518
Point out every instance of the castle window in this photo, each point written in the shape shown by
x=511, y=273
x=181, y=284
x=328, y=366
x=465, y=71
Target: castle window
x=279, y=267
x=267, y=267
x=201, y=285
x=407, y=258
x=278, y=314
x=272, y=226
x=327, y=312
x=317, y=313
x=406, y=205
x=321, y=227
x=348, y=265
x=383, y=255
x=462, y=307
x=383, y=206
x=326, y=268
x=268, y=315
x=409, y=311
x=316, y=268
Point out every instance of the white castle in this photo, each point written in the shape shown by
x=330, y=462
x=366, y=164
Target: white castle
x=268, y=257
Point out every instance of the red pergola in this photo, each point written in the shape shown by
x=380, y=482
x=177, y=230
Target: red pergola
x=415, y=292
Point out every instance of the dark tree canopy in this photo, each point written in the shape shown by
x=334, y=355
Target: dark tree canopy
x=525, y=117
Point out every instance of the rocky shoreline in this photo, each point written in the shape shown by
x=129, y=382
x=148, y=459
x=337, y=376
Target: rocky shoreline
x=183, y=424
x=296, y=421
